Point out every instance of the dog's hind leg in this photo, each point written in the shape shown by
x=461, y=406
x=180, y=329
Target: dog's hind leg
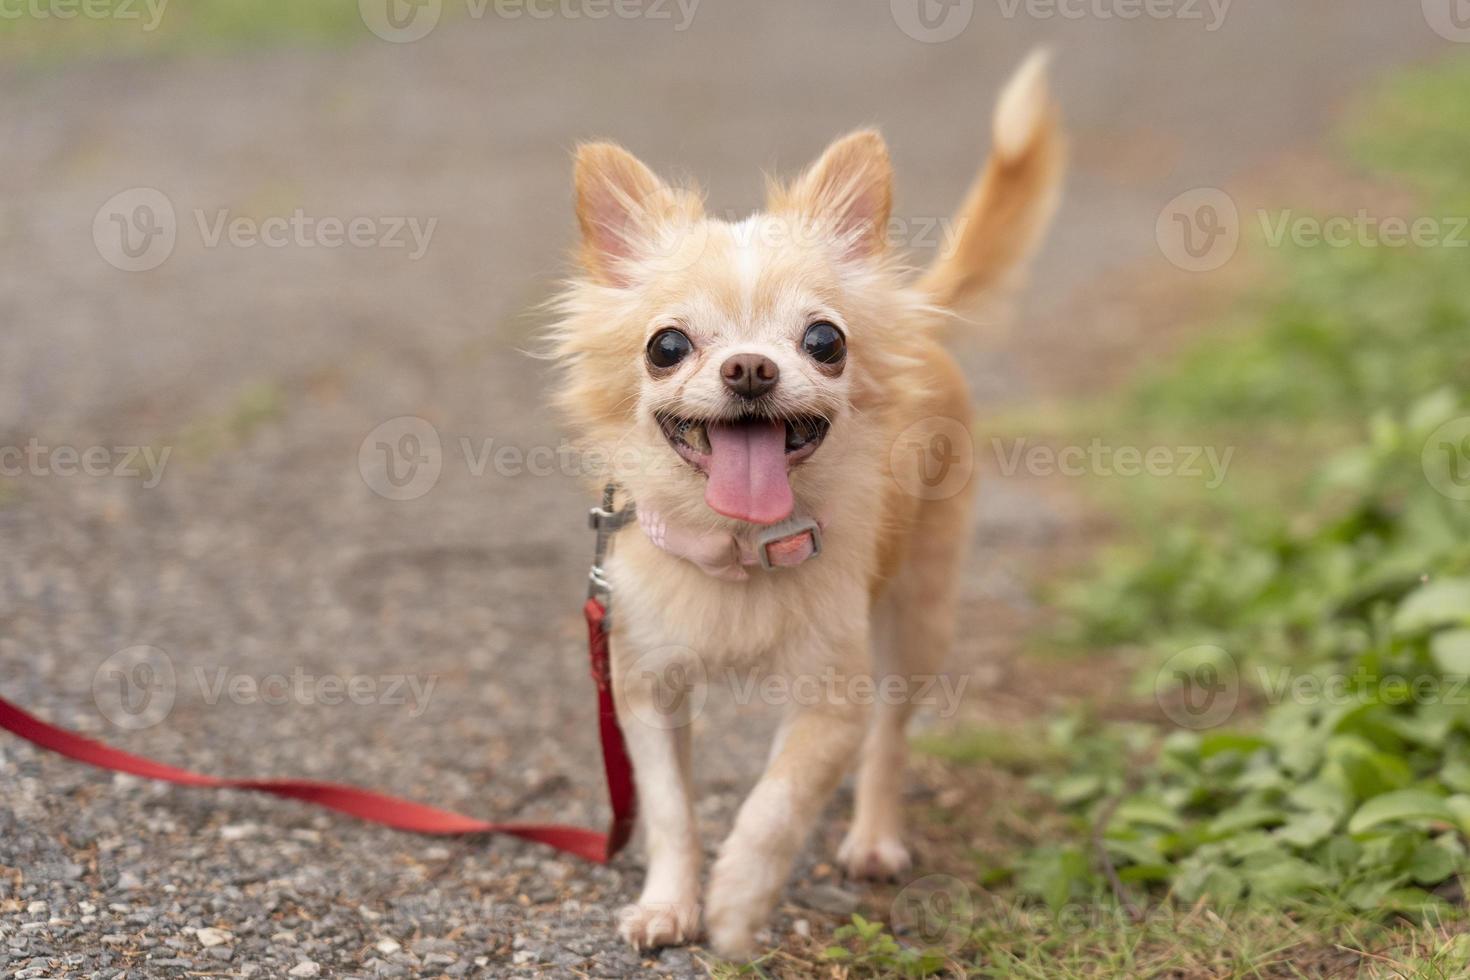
x=913, y=629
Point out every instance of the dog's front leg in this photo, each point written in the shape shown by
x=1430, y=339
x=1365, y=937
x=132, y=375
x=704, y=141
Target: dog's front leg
x=816, y=745
x=653, y=708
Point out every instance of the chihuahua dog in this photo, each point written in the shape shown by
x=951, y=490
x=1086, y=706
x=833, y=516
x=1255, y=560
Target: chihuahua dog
x=766, y=392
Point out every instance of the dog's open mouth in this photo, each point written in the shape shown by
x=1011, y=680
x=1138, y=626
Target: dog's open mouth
x=746, y=460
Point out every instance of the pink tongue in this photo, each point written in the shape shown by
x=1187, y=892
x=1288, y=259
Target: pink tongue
x=747, y=472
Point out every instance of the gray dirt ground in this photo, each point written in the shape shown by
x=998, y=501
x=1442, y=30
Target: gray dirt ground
x=263, y=551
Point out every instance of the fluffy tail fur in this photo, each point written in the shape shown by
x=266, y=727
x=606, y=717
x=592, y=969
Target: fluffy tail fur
x=1012, y=200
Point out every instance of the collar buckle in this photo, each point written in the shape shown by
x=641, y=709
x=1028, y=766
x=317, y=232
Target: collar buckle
x=788, y=532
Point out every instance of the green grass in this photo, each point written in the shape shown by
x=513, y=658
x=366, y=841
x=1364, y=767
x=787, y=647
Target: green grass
x=1350, y=330
x=253, y=407
x=1417, y=129
x=1019, y=752
x=1099, y=940
x=1319, y=825
x=1343, y=789
x=130, y=28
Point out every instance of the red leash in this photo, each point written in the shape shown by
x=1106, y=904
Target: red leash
x=391, y=811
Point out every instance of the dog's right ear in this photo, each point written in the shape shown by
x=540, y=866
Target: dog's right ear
x=626, y=213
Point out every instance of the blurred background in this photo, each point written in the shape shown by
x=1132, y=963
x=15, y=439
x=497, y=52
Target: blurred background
x=268, y=275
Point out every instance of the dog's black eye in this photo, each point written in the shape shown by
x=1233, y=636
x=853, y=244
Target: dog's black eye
x=668, y=347
x=824, y=343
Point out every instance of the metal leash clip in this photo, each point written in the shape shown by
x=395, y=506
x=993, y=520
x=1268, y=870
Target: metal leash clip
x=606, y=522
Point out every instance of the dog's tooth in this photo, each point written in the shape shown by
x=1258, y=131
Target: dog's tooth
x=697, y=439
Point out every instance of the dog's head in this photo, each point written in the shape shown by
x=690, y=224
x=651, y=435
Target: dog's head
x=740, y=371
x=729, y=367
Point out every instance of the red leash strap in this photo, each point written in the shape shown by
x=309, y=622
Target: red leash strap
x=388, y=810
x=619, y=768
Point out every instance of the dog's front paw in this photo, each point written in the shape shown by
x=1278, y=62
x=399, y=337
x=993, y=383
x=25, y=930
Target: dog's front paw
x=649, y=924
x=873, y=857
x=737, y=905
x=731, y=934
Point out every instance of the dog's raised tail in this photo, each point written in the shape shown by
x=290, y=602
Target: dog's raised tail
x=1012, y=200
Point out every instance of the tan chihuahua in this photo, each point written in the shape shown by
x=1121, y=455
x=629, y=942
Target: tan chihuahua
x=765, y=392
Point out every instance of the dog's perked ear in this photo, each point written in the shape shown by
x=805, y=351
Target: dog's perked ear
x=846, y=195
x=627, y=214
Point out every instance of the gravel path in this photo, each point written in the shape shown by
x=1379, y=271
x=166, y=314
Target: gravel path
x=264, y=550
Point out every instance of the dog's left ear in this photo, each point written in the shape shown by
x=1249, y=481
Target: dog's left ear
x=848, y=193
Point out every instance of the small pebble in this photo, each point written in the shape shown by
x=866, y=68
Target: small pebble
x=212, y=937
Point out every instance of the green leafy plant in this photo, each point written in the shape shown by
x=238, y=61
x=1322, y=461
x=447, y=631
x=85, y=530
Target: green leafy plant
x=1338, y=628
x=867, y=949
x=1353, y=784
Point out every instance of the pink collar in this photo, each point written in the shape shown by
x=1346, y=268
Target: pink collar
x=727, y=556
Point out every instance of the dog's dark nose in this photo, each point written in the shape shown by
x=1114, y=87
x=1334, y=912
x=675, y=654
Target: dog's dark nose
x=750, y=375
